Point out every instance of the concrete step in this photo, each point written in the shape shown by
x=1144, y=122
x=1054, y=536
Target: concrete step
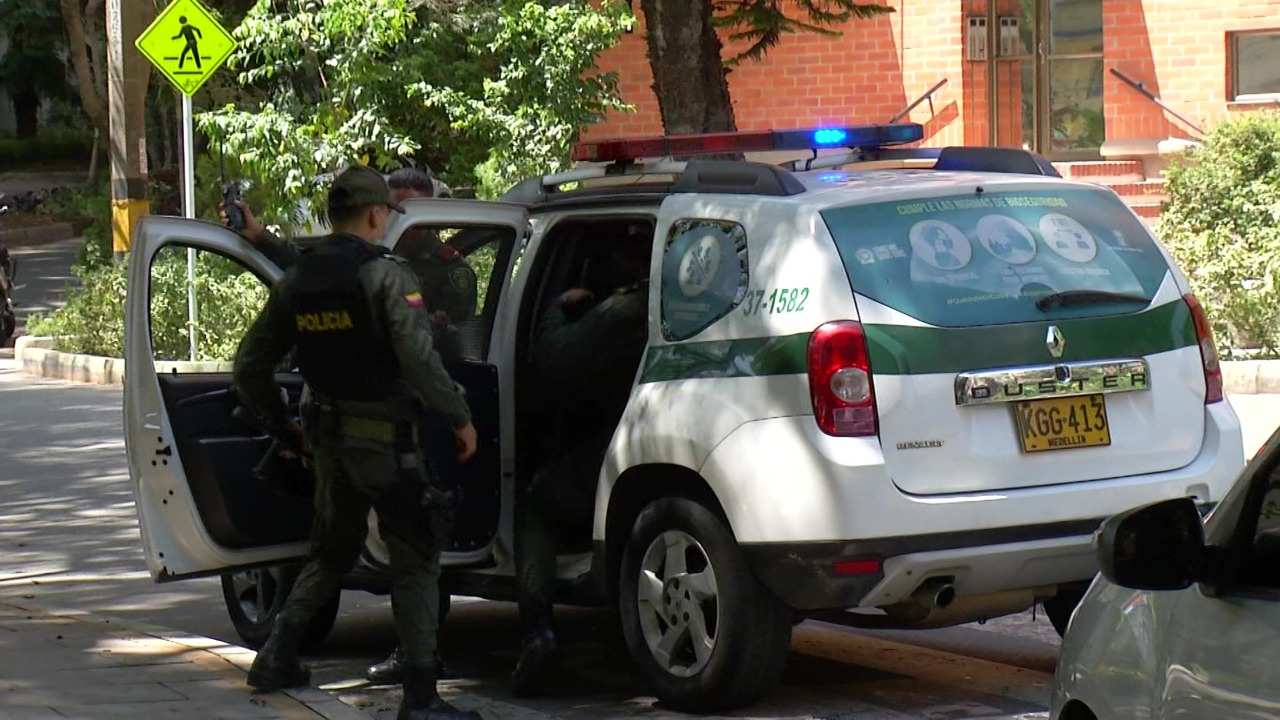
x=1139, y=189
x=1090, y=169
x=1146, y=210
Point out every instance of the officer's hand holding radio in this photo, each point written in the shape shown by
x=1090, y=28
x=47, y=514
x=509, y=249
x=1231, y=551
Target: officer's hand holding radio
x=250, y=228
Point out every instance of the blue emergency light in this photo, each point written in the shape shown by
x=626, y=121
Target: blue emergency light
x=867, y=137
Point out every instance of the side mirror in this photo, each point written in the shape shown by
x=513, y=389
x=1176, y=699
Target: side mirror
x=1153, y=547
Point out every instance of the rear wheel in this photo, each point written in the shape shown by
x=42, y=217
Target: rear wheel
x=708, y=634
x=254, y=598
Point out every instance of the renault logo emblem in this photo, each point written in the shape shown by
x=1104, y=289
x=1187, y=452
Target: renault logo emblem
x=1055, y=342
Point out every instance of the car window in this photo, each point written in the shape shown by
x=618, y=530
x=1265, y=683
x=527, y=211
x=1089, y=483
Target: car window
x=462, y=271
x=984, y=259
x=705, y=275
x=227, y=297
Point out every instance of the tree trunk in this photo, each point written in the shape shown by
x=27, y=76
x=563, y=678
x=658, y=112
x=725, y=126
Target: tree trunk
x=93, y=101
x=688, y=71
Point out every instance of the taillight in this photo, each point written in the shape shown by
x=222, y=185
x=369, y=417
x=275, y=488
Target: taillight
x=840, y=380
x=1208, y=351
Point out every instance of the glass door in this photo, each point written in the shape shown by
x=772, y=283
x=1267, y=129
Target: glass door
x=1047, y=76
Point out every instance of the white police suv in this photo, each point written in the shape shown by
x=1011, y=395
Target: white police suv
x=886, y=387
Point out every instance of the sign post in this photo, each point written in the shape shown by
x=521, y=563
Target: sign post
x=186, y=44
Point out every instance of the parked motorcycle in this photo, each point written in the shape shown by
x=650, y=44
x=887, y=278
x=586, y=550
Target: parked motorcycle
x=8, y=275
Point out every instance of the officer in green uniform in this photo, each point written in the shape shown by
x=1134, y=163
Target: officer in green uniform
x=355, y=318
x=586, y=357
x=449, y=293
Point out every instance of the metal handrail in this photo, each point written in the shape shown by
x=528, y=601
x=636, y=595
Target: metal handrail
x=1151, y=96
x=928, y=95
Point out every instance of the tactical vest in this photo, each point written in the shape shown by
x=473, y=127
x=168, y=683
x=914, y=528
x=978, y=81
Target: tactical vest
x=341, y=350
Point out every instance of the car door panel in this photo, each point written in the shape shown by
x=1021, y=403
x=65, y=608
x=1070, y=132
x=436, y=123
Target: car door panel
x=218, y=453
x=476, y=519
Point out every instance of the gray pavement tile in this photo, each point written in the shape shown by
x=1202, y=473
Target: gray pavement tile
x=167, y=674
x=214, y=689
x=170, y=711
x=31, y=713
x=132, y=694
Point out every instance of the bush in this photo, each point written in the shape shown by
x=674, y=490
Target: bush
x=46, y=148
x=1222, y=223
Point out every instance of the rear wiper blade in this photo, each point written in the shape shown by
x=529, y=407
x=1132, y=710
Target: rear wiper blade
x=1086, y=297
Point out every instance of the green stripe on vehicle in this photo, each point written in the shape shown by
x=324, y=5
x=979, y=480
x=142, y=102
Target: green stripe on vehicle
x=908, y=350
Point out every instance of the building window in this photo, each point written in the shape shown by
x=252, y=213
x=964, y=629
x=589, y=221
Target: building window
x=1255, y=66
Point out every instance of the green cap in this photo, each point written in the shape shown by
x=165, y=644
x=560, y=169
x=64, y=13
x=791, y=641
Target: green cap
x=359, y=186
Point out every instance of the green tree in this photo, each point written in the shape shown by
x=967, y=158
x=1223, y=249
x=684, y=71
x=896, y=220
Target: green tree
x=452, y=83
x=31, y=70
x=690, y=73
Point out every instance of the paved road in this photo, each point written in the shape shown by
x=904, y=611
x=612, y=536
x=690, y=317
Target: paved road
x=43, y=275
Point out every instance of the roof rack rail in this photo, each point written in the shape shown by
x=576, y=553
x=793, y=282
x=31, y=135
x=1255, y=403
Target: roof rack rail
x=539, y=188
x=955, y=157
x=737, y=178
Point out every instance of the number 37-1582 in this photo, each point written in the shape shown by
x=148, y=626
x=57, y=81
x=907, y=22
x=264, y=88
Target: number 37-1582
x=781, y=300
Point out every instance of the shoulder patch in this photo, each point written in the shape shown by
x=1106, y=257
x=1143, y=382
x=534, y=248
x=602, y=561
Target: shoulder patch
x=460, y=279
x=413, y=300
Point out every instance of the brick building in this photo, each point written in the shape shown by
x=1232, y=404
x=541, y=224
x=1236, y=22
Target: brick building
x=1021, y=73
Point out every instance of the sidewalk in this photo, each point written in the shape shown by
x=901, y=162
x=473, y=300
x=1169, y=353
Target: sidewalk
x=64, y=665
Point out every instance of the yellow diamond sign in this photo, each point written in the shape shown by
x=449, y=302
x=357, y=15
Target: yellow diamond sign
x=186, y=44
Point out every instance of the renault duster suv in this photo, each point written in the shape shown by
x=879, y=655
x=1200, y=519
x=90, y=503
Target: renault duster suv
x=886, y=387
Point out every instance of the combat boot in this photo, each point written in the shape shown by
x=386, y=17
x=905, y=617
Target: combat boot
x=540, y=654
x=391, y=670
x=422, y=701
x=277, y=665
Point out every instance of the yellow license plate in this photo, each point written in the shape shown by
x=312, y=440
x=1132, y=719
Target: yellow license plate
x=1063, y=423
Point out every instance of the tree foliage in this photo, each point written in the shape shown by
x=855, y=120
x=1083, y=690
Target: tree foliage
x=764, y=22
x=31, y=69
x=449, y=83
x=1222, y=223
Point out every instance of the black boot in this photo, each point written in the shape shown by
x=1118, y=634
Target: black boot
x=422, y=702
x=277, y=665
x=539, y=656
x=391, y=670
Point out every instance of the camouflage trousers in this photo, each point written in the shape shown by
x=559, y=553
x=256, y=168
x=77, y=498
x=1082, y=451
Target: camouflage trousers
x=558, y=504
x=352, y=475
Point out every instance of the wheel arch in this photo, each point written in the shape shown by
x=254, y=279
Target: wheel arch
x=633, y=491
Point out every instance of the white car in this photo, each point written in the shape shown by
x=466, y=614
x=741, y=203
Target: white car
x=1184, y=620
x=884, y=397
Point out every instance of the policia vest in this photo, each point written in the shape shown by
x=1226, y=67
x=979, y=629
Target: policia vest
x=342, y=351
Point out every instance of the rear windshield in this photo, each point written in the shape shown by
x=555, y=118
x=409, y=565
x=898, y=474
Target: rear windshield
x=984, y=259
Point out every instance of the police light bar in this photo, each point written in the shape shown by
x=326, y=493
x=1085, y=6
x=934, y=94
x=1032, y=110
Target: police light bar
x=853, y=136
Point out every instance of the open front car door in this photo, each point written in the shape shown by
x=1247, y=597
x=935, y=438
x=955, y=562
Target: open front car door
x=191, y=454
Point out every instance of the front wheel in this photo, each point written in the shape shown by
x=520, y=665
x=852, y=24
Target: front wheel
x=708, y=634
x=254, y=598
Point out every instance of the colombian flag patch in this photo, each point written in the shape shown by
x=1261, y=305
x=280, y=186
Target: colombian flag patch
x=413, y=300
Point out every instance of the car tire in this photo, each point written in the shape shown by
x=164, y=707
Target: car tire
x=745, y=629
x=254, y=598
x=1060, y=606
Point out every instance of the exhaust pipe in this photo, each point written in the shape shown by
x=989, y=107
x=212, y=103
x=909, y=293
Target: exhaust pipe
x=935, y=593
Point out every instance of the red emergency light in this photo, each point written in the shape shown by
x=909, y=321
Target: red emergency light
x=860, y=136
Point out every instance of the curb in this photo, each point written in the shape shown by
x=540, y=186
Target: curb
x=1251, y=377
x=36, y=357
x=41, y=235
x=228, y=661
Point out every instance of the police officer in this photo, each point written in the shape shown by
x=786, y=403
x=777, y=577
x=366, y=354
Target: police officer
x=355, y=318
x=449, y=286
x=587, y=356
x=449, y=292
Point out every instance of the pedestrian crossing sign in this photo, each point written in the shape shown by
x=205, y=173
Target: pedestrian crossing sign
x=186, y=44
